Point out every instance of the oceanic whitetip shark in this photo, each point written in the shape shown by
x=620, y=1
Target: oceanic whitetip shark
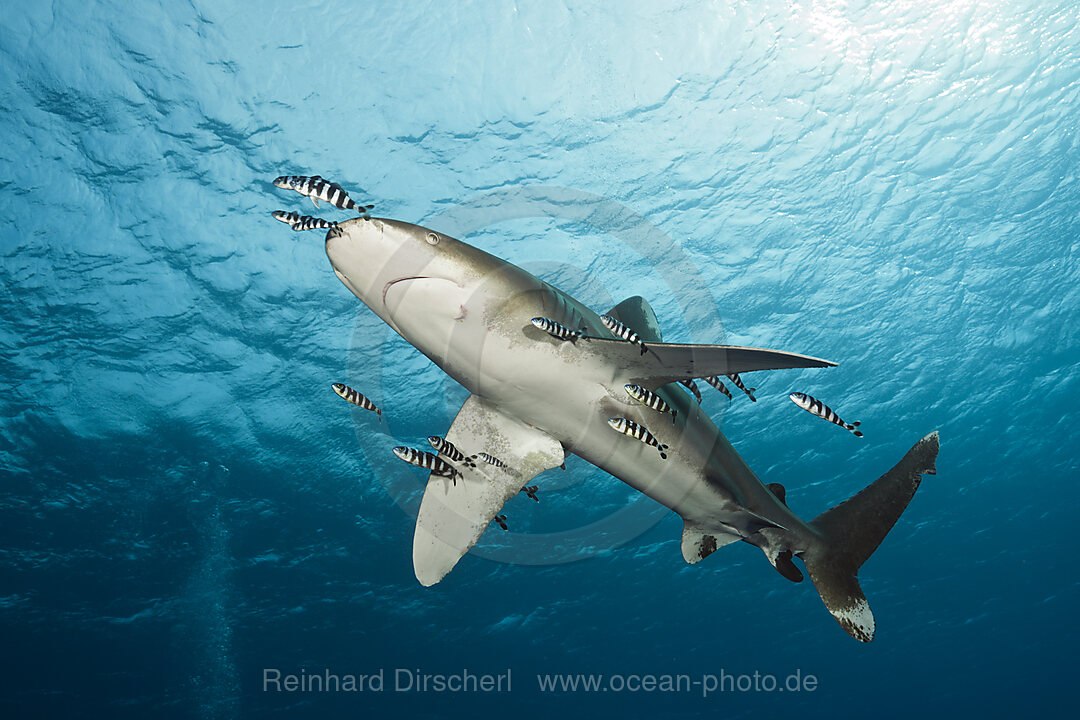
x=535, y=398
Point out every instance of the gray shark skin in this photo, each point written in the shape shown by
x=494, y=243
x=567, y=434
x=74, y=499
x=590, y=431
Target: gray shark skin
x=535, y=397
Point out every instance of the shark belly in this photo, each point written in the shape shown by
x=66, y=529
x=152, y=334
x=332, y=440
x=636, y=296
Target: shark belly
x=485, y=341
x=495, y=353
x=702, y=480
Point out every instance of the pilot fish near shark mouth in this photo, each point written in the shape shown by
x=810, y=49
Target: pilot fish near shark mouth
x=535, y=398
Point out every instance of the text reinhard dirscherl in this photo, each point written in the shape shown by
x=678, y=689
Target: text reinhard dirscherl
x=418, y=681
x=401, y=680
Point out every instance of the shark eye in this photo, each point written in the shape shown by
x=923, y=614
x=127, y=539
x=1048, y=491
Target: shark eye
x=433, y=239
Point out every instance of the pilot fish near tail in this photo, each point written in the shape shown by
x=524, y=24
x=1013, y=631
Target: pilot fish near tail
x=816, y=407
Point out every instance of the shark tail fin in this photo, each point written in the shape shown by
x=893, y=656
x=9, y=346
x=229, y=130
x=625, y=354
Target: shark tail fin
x=852, y=530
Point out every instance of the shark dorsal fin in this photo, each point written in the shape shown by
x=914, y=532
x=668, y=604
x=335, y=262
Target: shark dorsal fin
x=636, y=313
x=778, y=490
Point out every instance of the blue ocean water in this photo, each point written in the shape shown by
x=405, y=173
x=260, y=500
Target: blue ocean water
x=184, y=503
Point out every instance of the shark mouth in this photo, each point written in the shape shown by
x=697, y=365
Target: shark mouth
x=387, y=286
x=451, y=289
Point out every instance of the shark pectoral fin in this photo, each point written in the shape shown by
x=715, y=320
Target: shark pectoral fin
x=698, y=542
x=669, y=362
x=452, y=517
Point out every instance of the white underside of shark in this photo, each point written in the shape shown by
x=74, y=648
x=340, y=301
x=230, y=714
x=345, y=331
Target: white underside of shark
x=536, y=398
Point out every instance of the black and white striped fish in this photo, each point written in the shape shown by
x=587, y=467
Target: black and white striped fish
x=555, y=330
x=491, y=460
x=622, y=332
x=447, y=448
x=530, y=490
x=816, y=407
x=692, y=386
x=356, y=398
x=739, y=384
x=428, y=461
x=630, y=428
x=501, y=521
x=288, y=182
x=317, y=188
x=289, y=218
x=300, y=222
x=650, y=400
x=715, y=382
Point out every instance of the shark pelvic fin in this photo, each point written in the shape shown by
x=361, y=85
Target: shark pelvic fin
x=699, y=543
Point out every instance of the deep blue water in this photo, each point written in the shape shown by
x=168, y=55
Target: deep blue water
x=184, y=503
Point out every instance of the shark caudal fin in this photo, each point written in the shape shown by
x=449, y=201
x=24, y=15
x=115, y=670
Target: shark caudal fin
x=852, y=530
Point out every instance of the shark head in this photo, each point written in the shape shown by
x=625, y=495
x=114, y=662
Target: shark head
x=423, y=283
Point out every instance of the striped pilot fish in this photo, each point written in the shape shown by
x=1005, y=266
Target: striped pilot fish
x=692, y=386
x=491, y=460
x=447, y=448
x=650, y=400
x=622, y=332
x=428, y=461
x=501, y=521
x=739, y=384
x=629, y=428
x=300, y=222
x=318, y=188
x=715, y=382
x=530, y=490
x=289, y=218
x=356, y=398
x=557, y=331
x=816, y=407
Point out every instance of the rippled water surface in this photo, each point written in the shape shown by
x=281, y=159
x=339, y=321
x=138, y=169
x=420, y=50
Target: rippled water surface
x=184, y=502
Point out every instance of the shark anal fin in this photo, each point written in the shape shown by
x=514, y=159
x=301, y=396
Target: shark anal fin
x=452, y=517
